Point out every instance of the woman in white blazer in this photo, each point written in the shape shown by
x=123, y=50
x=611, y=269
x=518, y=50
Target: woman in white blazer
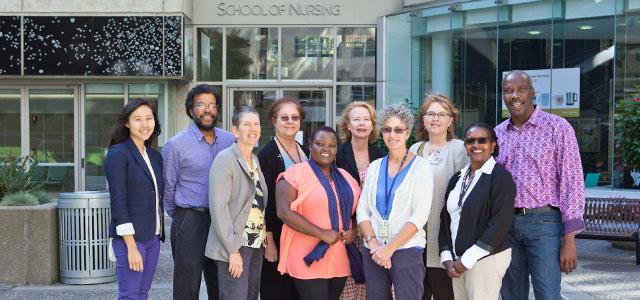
x=393, y=209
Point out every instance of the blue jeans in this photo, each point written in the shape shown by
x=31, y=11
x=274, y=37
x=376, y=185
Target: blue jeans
x=535, y=243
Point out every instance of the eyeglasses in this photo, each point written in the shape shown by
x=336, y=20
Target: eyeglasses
x=285, y=118
x=432, y=115
x=397, y=130
x=201, y=106
x=480, y=141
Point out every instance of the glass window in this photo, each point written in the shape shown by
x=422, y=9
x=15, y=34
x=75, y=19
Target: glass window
x=356, y=53
x=154, y=92
x=51, y=136
x=210, y=54
x=252, y=53
x=314, y=103
x=307, y=53
x=102, y=105
x=346, y=94
x=9, y=124
x=261, y=100
x=581, y=57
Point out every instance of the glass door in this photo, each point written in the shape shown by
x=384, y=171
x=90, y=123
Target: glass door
x=52, y=136
x=315, y=102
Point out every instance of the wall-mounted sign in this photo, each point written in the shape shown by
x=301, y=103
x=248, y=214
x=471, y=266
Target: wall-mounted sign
x=557, y=91
x=289, y=9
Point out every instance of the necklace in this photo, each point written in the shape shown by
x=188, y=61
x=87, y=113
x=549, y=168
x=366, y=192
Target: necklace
x=287, y=151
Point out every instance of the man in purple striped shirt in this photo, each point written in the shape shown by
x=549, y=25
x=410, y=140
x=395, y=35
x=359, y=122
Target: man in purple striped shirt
x=541, y=152
x=187, y=158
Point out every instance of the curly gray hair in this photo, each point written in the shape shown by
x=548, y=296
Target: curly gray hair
x=396, y=110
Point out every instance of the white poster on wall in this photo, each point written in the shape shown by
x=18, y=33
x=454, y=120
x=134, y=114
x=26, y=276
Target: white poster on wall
x=557, y=91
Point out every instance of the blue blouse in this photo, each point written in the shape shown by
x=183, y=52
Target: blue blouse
x=384, y=207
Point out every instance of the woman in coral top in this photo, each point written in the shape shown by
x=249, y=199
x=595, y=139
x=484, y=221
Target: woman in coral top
x=317, y=202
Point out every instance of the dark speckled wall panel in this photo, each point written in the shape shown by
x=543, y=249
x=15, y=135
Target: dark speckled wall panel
x=57, y=46
x=173, y=46
x=128, y=45
x=102, y=46
x=10, y=45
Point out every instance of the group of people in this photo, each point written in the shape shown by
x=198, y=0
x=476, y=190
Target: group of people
x=339, y=218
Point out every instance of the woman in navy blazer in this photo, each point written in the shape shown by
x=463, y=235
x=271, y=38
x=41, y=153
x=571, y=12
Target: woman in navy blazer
x=134, y=176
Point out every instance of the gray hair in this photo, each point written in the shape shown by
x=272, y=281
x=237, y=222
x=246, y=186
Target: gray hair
x=235, y=120
x=396, y=110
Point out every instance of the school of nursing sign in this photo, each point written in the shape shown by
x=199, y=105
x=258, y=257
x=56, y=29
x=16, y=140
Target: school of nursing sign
x=286, y=9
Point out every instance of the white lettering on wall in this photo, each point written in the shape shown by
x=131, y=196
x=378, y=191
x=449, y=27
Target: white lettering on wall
x=292, y=9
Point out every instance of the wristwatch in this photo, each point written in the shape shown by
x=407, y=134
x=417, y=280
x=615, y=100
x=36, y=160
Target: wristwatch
x=370, y=237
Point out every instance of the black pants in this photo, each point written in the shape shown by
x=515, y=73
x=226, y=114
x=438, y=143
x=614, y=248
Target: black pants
x=276, y=286
x=437, y=284
x=189, y=232
x=320, y=289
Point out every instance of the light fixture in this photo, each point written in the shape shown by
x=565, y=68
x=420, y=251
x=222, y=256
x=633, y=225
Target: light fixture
x=534, y=32
x=585, y=27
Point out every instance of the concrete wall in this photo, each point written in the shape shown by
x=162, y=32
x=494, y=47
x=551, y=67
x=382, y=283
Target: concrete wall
x=29, y=244
x=103, y=7
x=295, y=12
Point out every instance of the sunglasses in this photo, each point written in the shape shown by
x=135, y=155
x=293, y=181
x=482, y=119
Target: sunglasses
x=286, y=118
x=397, y=130
x=480, y=141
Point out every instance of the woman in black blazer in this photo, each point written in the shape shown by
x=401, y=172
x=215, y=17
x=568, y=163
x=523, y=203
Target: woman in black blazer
x=475, y=222
x=358, y=132
x=286, y=115
x=134, y=176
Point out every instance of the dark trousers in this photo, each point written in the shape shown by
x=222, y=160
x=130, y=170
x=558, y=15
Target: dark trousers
x=437, y=284
x=320, y=289
x=406, y=274
x=189, y=232
x=247, y=286
x=134, y=285
x=276, y=286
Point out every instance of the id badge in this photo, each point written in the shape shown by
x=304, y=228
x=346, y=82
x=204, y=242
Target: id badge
x=383, y=230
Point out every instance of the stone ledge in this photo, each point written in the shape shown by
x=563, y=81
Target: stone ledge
x=29, y=244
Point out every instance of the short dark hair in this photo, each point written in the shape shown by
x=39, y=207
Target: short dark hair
x=491, y=131
x=322, y=129
x=198, y=90
x=120, y=132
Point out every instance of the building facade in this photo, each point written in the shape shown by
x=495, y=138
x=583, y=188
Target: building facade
x=68, y=67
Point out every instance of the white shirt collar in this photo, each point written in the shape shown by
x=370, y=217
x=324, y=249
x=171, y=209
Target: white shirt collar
x=486, y=168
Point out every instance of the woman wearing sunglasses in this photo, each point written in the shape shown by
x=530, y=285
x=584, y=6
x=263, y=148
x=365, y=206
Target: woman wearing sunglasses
x=393, y=209
x=446, y=155
x=282, y=152
x=475, y=222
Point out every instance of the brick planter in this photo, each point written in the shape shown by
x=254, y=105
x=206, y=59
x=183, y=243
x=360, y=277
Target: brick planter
x=29, y=244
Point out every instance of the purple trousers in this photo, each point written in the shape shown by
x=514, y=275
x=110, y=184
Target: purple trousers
x=135, y=285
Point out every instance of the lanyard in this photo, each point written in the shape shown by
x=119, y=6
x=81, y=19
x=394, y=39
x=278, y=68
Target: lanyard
x=466, y=183
x=387, y=192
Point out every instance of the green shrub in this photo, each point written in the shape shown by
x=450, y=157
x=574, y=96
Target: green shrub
x=43, y=197
x=16, y=176
x=21, y=198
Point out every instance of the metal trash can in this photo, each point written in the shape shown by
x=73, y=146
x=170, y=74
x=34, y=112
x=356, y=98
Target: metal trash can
x=84, y=238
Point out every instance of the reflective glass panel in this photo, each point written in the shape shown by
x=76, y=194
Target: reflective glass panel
x=314, y=103
x=356, y=53
x=51, y=136
x=346, y=94
x=307, y=53
x=9, y=124
x=102, y=105
x=209, y=54
x=252, y=53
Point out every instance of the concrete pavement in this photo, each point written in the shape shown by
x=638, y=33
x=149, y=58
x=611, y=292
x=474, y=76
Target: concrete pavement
x=603, y=272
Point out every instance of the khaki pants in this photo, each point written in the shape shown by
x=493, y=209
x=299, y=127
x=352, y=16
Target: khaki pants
x=483, y=281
